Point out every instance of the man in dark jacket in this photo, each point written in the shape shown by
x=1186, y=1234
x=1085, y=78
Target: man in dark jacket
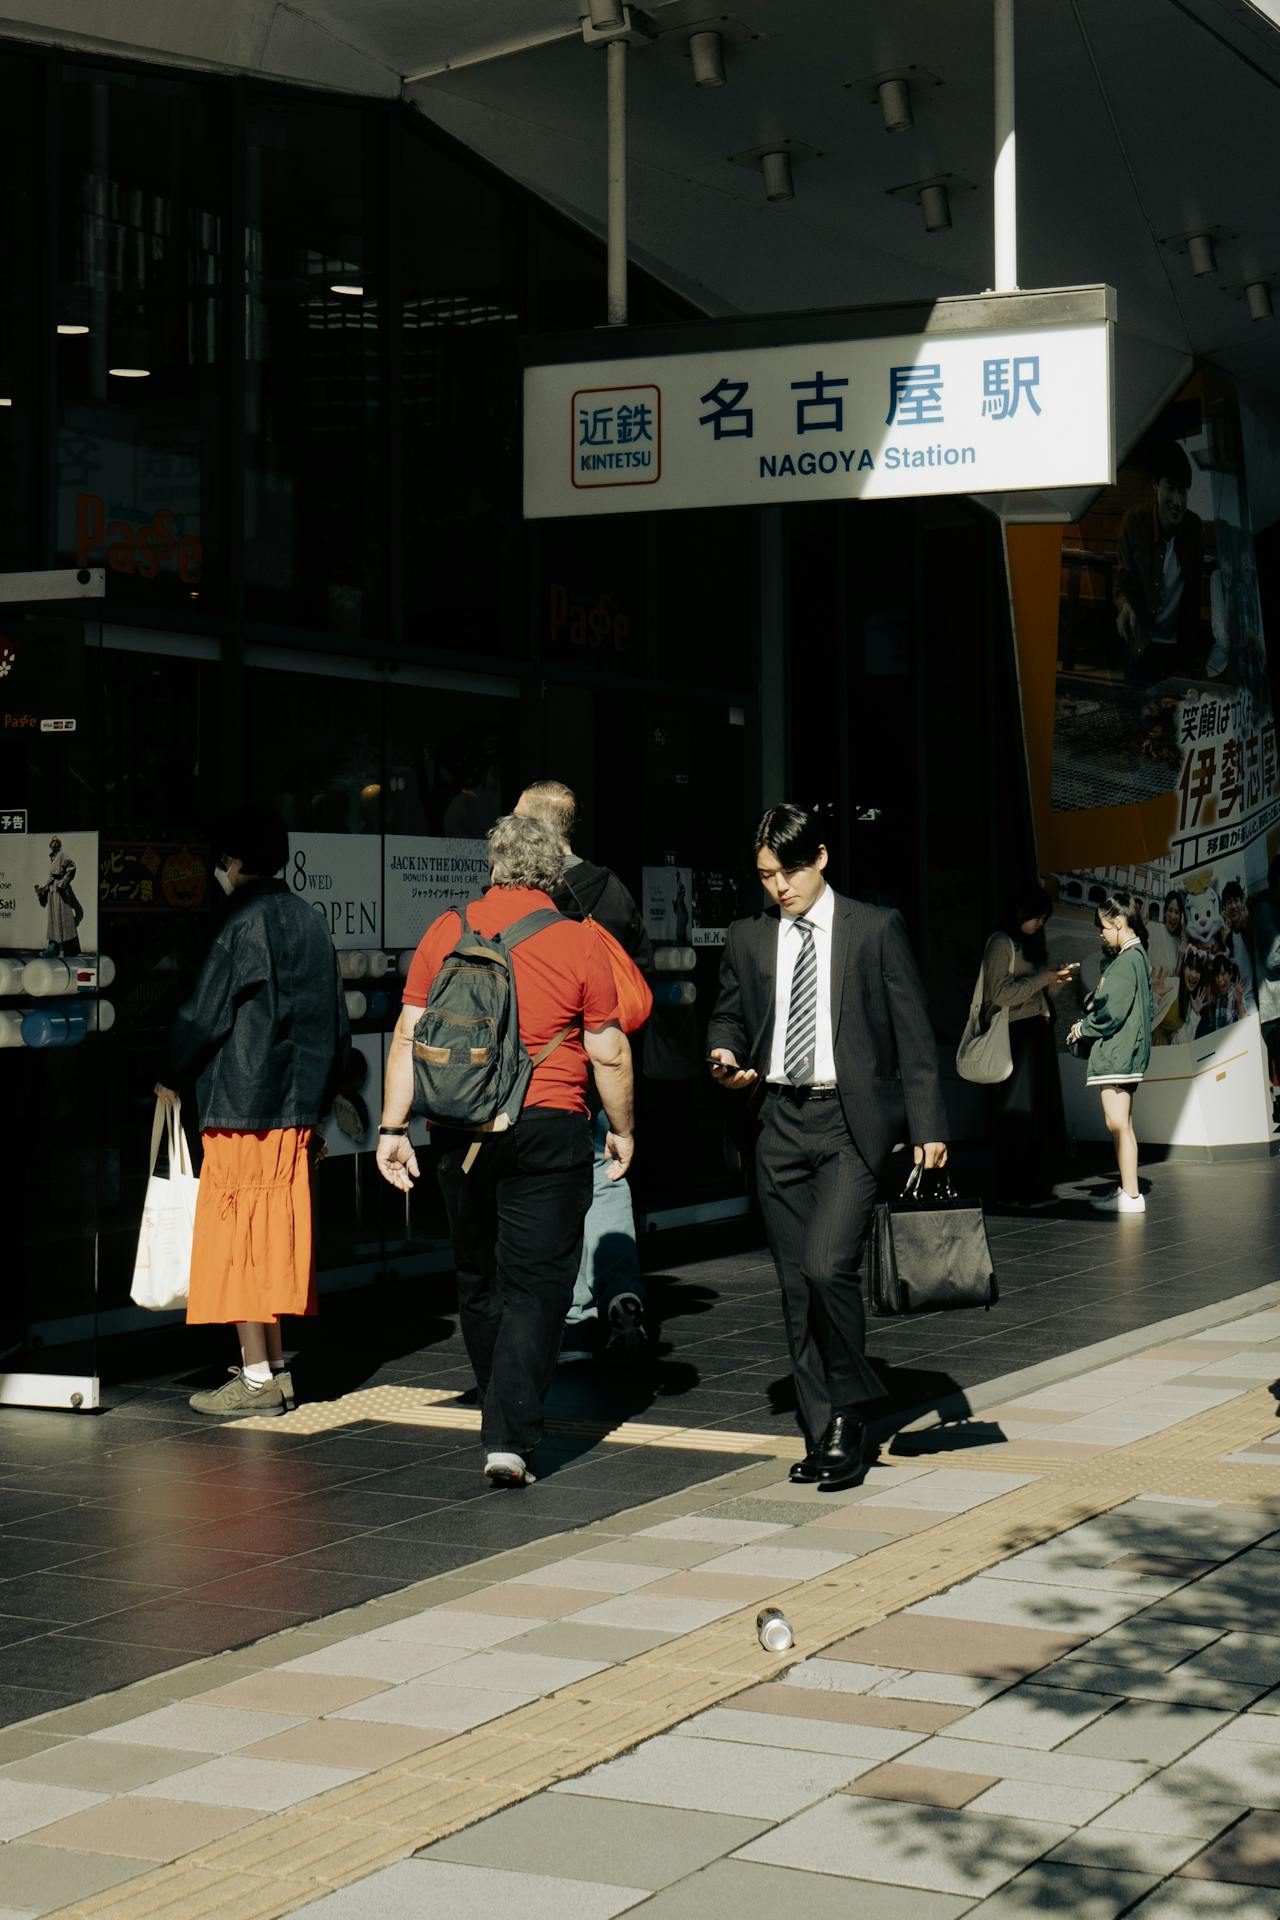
x=261, y=1042
x=822, y=1020
x=609, y=1291
x=1160, y=576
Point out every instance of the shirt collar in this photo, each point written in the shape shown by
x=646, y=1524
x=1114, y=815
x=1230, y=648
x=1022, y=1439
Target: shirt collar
x=820, y=915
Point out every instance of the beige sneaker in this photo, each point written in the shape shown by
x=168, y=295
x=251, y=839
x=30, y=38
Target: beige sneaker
x=237, y=1398
x=284, y=1380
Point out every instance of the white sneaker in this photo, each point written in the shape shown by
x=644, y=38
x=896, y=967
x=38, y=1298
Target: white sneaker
x=1118, y=1201
x=507, y=1470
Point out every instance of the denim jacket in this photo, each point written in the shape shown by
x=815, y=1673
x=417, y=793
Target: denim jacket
x=264, y=1036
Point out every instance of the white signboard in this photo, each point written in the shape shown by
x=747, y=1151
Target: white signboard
x=953, y=411
x=340, y=875
x=423, y=876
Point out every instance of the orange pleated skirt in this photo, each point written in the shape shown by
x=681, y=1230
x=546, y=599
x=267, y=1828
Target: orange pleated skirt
x=253, y=1255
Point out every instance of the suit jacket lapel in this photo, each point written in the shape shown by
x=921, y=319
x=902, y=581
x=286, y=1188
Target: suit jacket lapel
x=767, y=962
x=840, y=939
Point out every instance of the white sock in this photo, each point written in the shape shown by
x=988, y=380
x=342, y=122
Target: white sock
x=257, y=1373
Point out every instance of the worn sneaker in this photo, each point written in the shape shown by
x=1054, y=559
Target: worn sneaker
x=507, y=1470
x=237, y=1398
x=1118, y=1201
x=283, y=1379
x=628, y=1336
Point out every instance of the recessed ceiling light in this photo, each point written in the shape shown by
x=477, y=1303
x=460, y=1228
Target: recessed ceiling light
x=1257, y=294
x=130, y=373
x=1200, y=252
x=68, y=328
x=779, y=183
x=355, y=293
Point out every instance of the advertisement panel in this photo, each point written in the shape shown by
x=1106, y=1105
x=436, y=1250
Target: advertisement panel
x=340, y=875
x=49, y=893
x=421, y=877
x=1153, y=758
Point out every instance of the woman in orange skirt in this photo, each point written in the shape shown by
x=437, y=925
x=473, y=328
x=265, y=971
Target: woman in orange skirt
x=263, y=1038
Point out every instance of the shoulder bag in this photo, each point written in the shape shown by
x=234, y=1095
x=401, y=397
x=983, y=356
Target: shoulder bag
x=984, y=1055
x=162, y=1267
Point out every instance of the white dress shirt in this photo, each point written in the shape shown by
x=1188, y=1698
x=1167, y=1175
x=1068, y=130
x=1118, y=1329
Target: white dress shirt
x=821, y=917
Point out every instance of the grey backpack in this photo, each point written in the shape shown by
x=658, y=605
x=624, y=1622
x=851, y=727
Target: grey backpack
x=470, y=1067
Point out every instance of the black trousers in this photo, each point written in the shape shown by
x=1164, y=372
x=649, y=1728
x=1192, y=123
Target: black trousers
x=1028, y=1133
x=816, y=1194
x=516, y=1220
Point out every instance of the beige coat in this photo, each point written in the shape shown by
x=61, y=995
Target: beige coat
x=1011, y=981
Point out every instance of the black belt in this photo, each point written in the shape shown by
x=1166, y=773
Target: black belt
x=801, y=1093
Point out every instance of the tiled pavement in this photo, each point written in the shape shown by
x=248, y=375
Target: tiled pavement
x=132, y=1543
x=1036, y=1675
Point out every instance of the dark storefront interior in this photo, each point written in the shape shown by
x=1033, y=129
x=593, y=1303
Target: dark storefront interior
x=263, y=365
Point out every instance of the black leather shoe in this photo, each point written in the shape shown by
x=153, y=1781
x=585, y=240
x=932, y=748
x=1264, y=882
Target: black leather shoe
x=839, y=1460
x=804, y=1472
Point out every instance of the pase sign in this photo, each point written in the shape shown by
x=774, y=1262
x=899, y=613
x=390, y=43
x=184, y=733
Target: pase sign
x=994, y=394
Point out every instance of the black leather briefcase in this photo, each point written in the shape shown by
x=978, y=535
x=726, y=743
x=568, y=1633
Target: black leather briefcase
x=928, y=1249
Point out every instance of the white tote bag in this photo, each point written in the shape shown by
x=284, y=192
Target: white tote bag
x=162, y=1269
x=983, y=1055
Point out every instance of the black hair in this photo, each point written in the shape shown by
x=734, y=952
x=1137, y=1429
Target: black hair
x=1026, y=902
x=253, y=834
x=793, y=835
x=1232, y=891
x=1174, y=894
x=1120, y=904
x=1169, y=462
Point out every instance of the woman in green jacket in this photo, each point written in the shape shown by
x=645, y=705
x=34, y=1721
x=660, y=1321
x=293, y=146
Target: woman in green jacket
x=1118, y=1019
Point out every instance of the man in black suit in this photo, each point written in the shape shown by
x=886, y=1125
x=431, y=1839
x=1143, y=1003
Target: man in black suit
x=822, y=1015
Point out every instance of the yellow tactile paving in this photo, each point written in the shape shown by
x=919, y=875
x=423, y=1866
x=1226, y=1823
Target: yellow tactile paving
x=279, y=1864
x=430, y=1407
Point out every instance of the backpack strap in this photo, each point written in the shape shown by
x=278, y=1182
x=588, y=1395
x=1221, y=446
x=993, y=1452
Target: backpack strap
x=469, y=1158
x=531, y=923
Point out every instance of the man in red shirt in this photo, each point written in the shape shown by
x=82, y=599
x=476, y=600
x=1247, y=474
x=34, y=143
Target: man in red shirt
x=516, y=1216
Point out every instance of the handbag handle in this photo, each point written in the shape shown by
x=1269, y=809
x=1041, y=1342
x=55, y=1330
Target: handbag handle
x=938, y=1185
x=167, y=1125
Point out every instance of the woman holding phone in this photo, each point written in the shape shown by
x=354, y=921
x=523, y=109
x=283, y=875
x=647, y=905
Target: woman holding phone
x=1118, y=1022
x=1027, y=1130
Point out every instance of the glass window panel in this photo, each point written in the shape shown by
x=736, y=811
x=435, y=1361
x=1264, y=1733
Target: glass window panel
x=314, y=749
x=140, y=362
x=315, y=509
x=20, y=214
x=459, y=239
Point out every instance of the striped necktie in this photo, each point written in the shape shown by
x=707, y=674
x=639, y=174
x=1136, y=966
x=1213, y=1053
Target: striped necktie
x=802, y=1014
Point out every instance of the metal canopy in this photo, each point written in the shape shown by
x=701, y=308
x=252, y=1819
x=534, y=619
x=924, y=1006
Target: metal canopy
x=1138, y=125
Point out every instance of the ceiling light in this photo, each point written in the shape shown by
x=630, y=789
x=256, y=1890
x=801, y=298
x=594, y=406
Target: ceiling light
x=129, y=373
x=354, y=293
x=68, y=329
x=778, y=181
x=935, y=204
x=1257, y=294
x=6, y=403
x=895, y=106
x=1200, y=253
x=706, y=50
x=606, y=14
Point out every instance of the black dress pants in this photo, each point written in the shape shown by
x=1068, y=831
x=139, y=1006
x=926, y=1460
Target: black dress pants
x=816, y=1195
x=516, y=1220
